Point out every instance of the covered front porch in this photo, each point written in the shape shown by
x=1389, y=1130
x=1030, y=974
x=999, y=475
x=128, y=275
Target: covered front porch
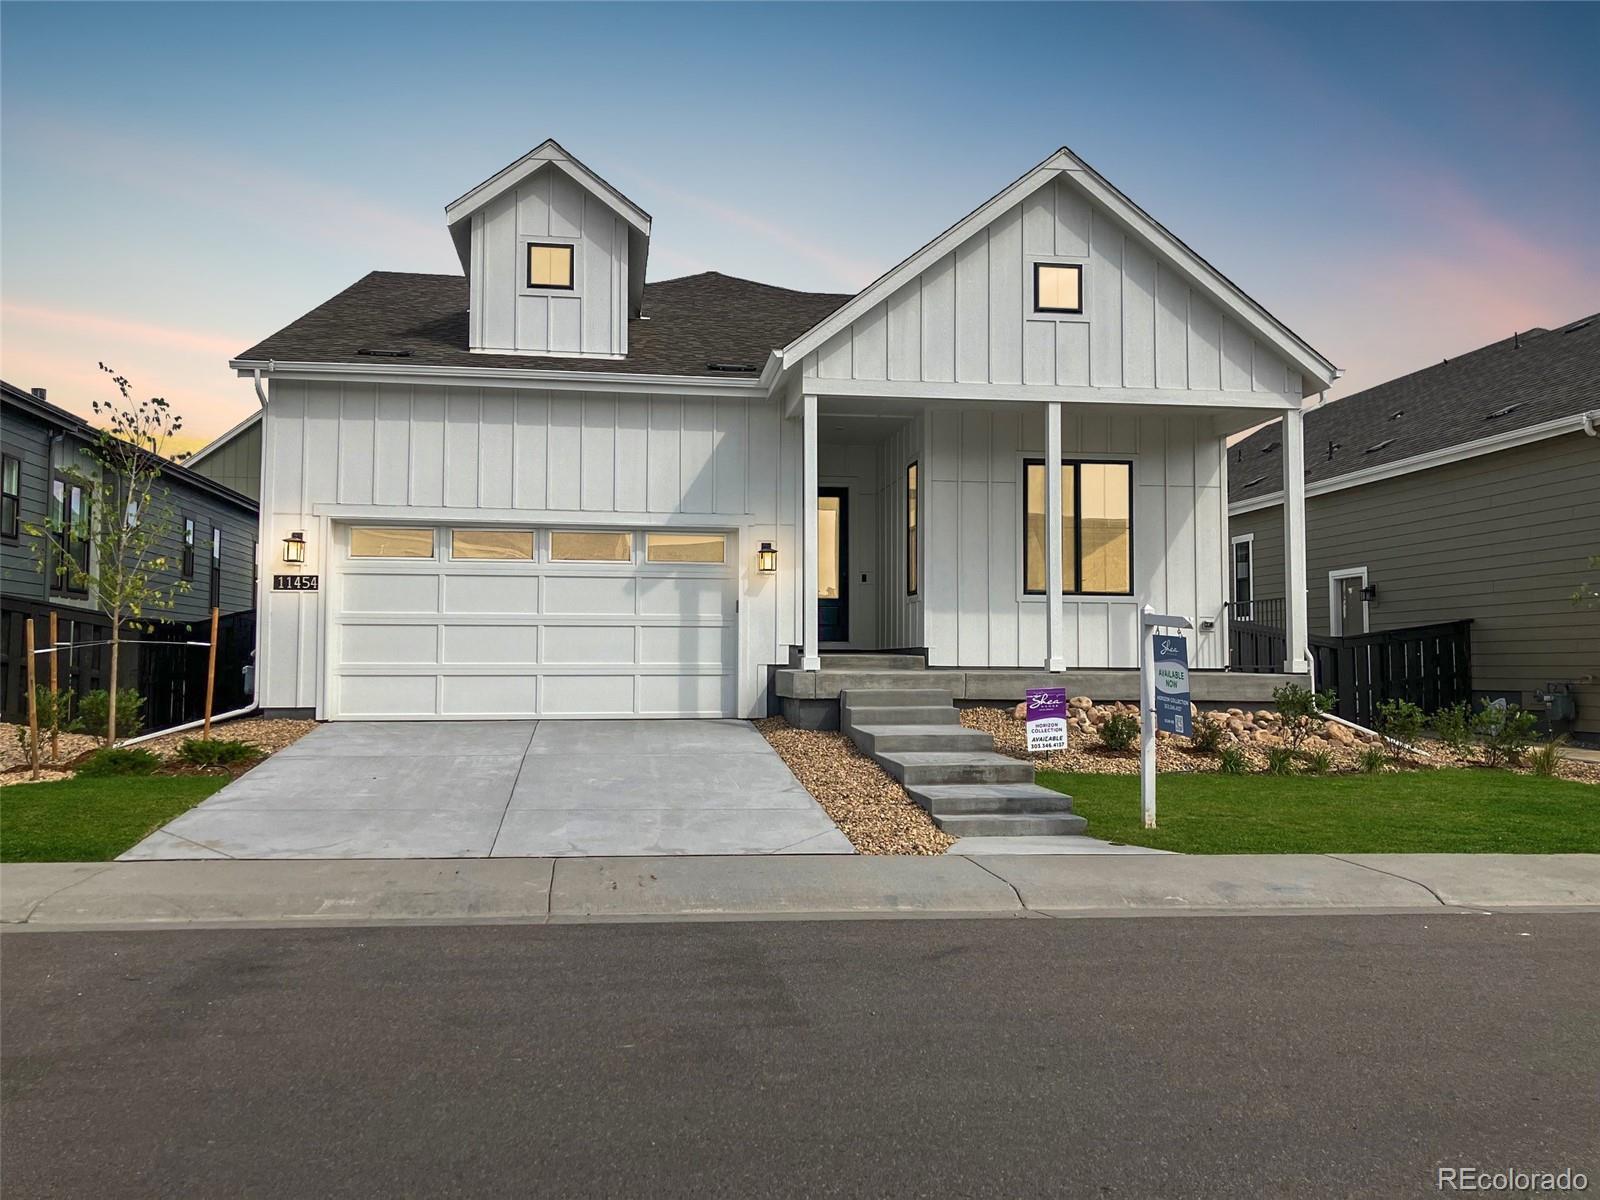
x=932, y=532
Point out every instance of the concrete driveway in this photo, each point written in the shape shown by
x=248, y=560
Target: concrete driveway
x=508, y=789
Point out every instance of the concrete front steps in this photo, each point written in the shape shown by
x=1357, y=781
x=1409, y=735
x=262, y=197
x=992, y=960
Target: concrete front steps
x=916, y=735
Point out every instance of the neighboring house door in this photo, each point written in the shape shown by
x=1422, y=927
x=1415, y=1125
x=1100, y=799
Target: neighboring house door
x=833, y=566
x=1347, y=607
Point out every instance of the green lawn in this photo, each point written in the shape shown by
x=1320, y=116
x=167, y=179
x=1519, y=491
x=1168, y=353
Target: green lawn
x=92, y=820
x=1444, y=812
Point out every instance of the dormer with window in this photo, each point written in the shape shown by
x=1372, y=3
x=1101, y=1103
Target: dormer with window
x=555, y=259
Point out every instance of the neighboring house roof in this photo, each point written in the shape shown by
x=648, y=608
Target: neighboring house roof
x=51, y=414
x=697, y=325
x=221, y=440
x=1537, y=382
x=1213, y=282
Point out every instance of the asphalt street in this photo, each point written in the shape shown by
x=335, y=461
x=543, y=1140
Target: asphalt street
x=1141, y=1057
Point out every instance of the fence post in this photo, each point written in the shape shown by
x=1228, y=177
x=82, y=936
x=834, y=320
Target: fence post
x=211, y=673
x=55, y=700
x=33, y=702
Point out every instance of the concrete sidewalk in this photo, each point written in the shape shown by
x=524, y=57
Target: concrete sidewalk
x=163, y=894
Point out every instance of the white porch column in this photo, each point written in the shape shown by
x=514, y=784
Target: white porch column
x=809, y=658
x=1294, y=540
x=1052, y=536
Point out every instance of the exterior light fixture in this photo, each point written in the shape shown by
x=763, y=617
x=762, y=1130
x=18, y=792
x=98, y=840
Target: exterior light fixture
x=767, y=559
x=1369, y=592
x=294, y=547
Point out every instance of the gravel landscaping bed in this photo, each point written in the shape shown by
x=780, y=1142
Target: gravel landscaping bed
x=268, y=736
x=871, y=809
x=1252, y=733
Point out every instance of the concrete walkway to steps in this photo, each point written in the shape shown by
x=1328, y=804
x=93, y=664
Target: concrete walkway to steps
x=166, y=894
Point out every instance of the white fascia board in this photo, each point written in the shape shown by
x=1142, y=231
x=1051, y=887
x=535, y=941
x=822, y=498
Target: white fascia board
x=892, y=280
x=222, y=440
x=551, y=152
x=1509, y=440
x=559, y=381
x=1145, y=397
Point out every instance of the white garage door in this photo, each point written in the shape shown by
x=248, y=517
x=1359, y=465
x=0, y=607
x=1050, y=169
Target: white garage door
x=471, y=622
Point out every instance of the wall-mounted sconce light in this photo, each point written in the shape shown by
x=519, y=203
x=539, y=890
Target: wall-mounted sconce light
x=1369, y=592
x=767, y=559
x=294, y=547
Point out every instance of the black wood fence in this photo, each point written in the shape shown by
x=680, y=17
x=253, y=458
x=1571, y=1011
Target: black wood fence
x=1255, y=636
x=1429, y=665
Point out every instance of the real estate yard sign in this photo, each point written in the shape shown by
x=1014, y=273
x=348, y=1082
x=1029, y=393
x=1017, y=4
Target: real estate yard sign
x=1172, y=685
x=1047, y=718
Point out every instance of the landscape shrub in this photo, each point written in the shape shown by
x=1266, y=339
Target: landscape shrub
x=1207, y=736
x=1299, y=709
x=219, y=752
x=1504, y=733
x=1372, y=759
x=1318, y=762
x=1400, y=721
x=1453, y=727
x=95, y=707
x=1120, y=731
x=1280, y=760
x=118, y=762
x=1546, y=757
x=1231, y=761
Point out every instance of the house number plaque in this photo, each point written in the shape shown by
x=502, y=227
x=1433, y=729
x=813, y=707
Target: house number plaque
x=294, y=583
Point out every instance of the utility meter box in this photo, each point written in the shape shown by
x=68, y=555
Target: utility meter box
x=1558, y=702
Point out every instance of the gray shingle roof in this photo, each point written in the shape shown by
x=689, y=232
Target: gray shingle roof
x=691, y=323
x=1525, y=380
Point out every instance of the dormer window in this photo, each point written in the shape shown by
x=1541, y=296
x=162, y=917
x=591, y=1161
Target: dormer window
x=550, y=265
x=1057, y=287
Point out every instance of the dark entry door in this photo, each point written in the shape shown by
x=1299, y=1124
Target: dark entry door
x=833, y=567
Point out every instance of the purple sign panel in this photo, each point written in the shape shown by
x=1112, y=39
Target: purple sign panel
x=1047, y=718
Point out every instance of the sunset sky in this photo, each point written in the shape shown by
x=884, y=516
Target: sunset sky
x=1397, y=183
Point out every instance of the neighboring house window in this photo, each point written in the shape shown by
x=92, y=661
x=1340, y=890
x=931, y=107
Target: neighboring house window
x=911, y=530
x=1057, y=288
x=1243, y=576
x=11, y=499
x=1096, y=528
x=549, y=266
x=255, y=570
x=71, y=536
x=188, y=547
x=216, y=567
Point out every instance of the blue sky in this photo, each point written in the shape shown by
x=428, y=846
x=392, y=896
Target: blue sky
x=1398, y=182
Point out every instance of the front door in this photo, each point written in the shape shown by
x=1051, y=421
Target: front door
x=833, y=568
x=1349, y=606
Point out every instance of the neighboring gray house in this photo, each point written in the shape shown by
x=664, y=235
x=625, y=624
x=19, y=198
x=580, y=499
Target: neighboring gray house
x=40, y=442
x=1469, y=489
x=234, y=458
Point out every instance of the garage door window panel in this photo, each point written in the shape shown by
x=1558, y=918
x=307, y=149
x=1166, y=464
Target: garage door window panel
x=494, y=545
x=709, y=548
x=577, y=545
x=369, y=541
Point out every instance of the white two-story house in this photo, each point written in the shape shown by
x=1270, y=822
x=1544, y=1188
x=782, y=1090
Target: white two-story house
x=549, y=488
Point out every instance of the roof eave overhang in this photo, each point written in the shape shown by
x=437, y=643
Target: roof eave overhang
x=745, y=387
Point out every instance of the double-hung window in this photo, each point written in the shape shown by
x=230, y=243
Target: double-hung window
x=1243, y=577
x=70, y=532
x=188, y=547
x=1096, y=528
x=10, y=496
x=216, y=567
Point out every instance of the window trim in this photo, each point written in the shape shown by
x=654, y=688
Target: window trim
x=1336, y=613
x=1247, y=613
x=187, y=532
x=528, y=247
x=1077, y=523
x=913, y=527
x=10, y=526
x=1038, y=266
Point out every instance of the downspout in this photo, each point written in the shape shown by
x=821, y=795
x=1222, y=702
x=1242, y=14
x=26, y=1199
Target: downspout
x=195, y=724
x=261, y=396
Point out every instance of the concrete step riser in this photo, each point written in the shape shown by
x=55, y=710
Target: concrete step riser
x=946, y=802
x=937, y=737
x=895, y=697
x=864, y=662
x=857, y=718
x=974, y=772
x=1012, y=825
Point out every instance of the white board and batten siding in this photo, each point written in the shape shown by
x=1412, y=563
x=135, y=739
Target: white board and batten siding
x=974, y=611
x=968, y=318
x=506, y=316
x=338, y=454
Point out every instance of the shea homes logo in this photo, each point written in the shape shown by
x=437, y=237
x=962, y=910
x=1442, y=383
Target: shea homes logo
x=1047, y=718
x=1511, y=1179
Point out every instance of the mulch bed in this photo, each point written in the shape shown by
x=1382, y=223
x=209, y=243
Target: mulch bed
x=871, y=809
x=266, y=735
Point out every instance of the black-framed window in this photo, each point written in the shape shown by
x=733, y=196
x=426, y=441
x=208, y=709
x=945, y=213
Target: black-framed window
x=1243, y=577
x=70, y=532
x=10, y=496
x=1058, y=287
x=188, y=547
x=550, y=265
x=1096, y=527
x=911, y=530
x=255, y=570
x=216, y=567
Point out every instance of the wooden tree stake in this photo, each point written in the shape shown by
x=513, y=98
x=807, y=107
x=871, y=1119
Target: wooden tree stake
x=33, y=703
x=55, y=702
x=211, y=672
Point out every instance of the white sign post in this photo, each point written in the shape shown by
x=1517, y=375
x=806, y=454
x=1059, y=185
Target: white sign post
x=1150, y=621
